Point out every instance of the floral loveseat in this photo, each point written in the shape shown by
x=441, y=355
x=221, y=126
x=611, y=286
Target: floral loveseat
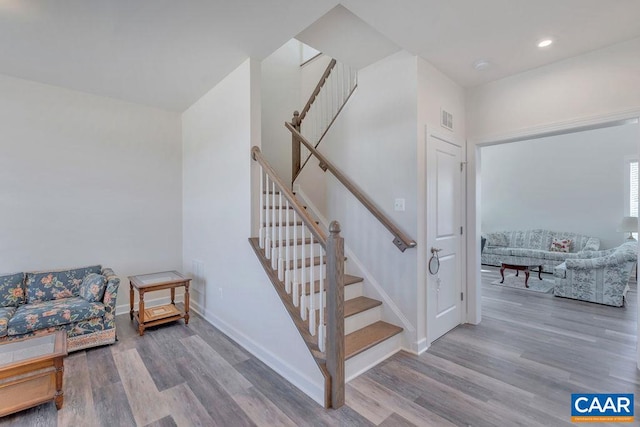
x=599, y=276
x=81, y=301
x=535, y=247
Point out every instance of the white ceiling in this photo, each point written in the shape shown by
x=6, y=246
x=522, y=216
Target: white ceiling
x=347, y=38
x=168, y=53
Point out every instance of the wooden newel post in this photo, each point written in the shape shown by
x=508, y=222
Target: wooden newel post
x=335, y=313
x=295, y=147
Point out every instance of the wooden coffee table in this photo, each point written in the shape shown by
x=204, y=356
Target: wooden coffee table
x=521, y=267
x=158, y=315
x=31, y=372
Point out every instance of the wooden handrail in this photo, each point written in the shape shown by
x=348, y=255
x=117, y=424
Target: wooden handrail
x=316, y=91
x=317, y=232
x=401, y=240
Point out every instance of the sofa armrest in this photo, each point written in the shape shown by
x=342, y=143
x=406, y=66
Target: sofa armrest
x=613, y=259
x=110, y=294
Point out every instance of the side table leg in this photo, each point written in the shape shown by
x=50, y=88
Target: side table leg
x=540, y=272
x=186, y=303
x=131, y=300
x=526, y=278
x=173, y=296
x=502, y=274
x=141, y=313
x=59, y=397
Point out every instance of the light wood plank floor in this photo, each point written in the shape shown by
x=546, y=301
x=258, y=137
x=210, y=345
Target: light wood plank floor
x=518, y=367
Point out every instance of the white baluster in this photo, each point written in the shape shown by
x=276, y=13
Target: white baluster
x=267, y=229
x=322, y=302
x=280, y=263
x=273, y=226
x=262, y=207
x=303, y=280
x=296, y=297
x=312, y=304
x=342, y=84
x=287, y=258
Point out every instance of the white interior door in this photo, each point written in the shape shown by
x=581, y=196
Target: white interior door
x=445, y=174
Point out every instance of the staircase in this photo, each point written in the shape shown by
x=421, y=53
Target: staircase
x=343, y=329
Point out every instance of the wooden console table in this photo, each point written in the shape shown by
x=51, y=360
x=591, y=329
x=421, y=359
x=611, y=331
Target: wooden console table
x=31, y=372
x=158, y=315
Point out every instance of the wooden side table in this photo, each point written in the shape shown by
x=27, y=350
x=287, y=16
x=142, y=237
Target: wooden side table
x=158, y=315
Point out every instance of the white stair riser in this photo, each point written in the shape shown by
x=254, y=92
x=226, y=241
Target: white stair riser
x=363, y=319
x=269, y=230
x=271, y=203
x=350, y=292
x=317, y=271
x=298, y=250
x=371, y=357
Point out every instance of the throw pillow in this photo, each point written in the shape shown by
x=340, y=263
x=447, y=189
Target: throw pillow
x=92, y=287
x=11, y=290
x=560, y=245
x=497, y=239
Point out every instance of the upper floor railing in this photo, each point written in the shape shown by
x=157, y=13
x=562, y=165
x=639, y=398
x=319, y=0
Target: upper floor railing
x=330, y=95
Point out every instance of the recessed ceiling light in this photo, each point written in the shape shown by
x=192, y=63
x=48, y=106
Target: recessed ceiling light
x=480, y=64
x=545, y=43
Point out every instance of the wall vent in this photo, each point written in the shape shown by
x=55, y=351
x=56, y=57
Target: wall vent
x=446, y=119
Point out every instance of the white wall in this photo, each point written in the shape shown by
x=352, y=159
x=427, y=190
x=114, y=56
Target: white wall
x=601, y=82
x=85, y=180
x=374, y=144
x=573, y=182
x=237, y=297
x=435, y=92
x=280, y=96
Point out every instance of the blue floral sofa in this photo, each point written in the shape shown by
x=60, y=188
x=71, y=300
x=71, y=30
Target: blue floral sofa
x=80, y=301
x=534, y=247
x=598, y=276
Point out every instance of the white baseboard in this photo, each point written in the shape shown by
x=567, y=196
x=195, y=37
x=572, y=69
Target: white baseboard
x=419, y=347
x=295, y=377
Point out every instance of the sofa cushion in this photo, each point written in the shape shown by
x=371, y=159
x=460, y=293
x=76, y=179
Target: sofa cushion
x=560, y=245
x=52, y=285
x=558, y=256
x=11, y=290
x=528, y=253
x=497, y=250
x=31, y=317
x=92, y=287
x=5, y=315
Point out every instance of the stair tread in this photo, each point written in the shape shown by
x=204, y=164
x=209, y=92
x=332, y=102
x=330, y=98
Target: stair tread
x=348, y=280
x=358, y=305
x=354, y=306
x=278, y=207
x=298, y=242
x=367, y=337
x=277, y=224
